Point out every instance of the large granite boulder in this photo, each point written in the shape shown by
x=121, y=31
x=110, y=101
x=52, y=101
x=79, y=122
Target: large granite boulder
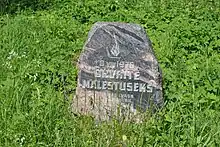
x=119, y=76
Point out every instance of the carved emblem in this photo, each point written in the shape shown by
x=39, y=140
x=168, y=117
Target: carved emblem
x=115, y=50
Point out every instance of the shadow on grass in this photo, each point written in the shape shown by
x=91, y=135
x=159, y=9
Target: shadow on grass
x=12, y=6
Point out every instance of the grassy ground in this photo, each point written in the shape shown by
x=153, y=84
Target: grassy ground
x=39, y=49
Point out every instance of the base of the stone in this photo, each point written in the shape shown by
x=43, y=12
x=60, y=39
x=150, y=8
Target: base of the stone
x=104, y=108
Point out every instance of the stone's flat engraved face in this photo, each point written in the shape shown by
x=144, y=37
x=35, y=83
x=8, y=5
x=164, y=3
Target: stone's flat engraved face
x=117, y=68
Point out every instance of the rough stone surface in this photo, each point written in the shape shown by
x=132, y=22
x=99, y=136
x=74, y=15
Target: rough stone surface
x=119, y=76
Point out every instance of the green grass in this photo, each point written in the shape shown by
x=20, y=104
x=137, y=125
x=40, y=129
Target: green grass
x=39, y=50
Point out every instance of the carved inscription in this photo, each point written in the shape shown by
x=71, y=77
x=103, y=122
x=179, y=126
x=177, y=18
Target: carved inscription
x=116, y=76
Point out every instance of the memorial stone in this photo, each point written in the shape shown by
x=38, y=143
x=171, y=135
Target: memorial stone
x=119, y=76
